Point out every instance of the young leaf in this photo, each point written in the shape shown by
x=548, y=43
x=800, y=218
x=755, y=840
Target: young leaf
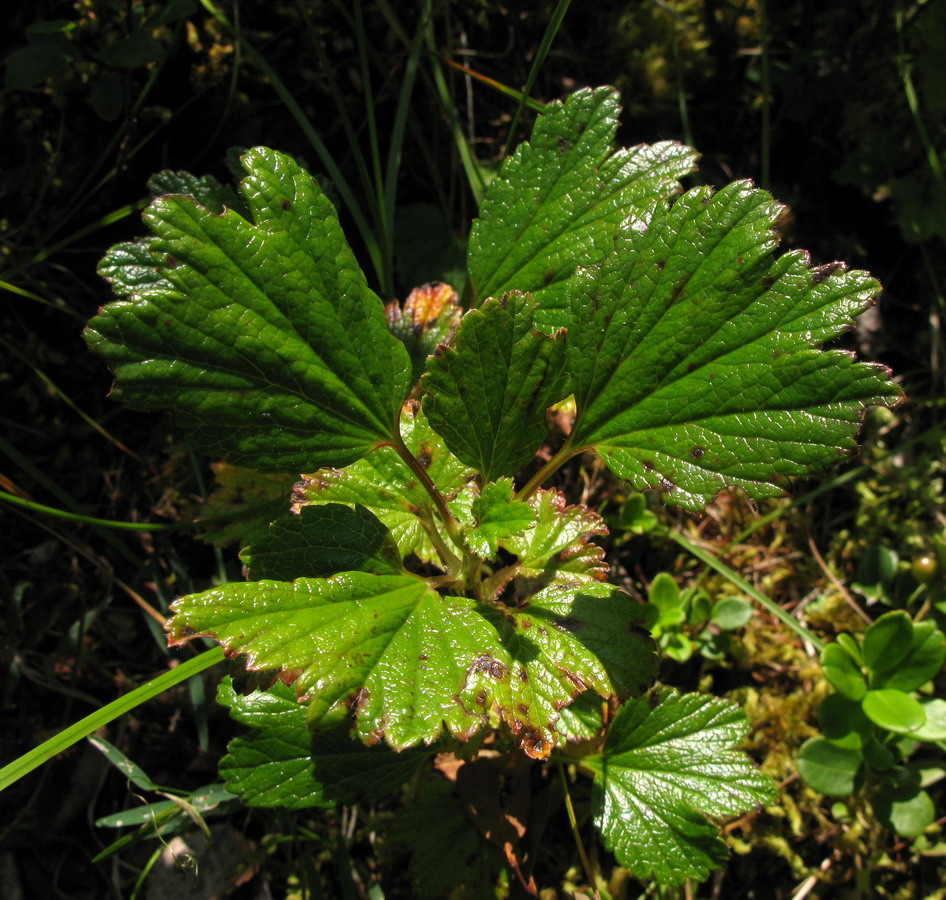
x=691, y=351
x=497, y=515
x=844, y=723
x=558, y=547
x=416, y=661
x=427, y=319
x=488, y=393
x=322, y=540
x=557, y=203
x=668, y=762
x=383, y=484
x=269, y=347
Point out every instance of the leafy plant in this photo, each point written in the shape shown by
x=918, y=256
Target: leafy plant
x=672, y=614
x=428, y=589
x=875, y=721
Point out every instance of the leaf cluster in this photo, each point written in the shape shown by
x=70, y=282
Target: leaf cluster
x=427, y=586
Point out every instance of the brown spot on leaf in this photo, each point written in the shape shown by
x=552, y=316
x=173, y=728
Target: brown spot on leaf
x=481, y=698
x=171, y=261
x=647, y=465
x=697, y=452
x=523, y=674
x=535, y=745
x=424, y=457
x=564, y=145
x=667, y=485
x=286, y=204
x=661, y=263
x=490, y=666
x=819, y=273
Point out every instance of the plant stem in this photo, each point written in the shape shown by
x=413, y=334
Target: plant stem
x=744, y=585
x=411, y=461
x=573, y=822
x=564, y=454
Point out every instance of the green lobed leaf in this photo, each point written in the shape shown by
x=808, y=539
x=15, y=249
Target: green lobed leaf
x=269, y=347
x=497, y=516
x=270, y=765
x=415, y=661
x=448, y=850
x=487, y=394
x=828, y=768
x=384, y=485
x=322, y=540
x=692, y=352
x=206, y=190
x=558, y=546
x=558, y=201
x=280, y=763
x=669, y=762
x=132, y=268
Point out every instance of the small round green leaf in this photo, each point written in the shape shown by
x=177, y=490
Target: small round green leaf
x=664, y=593
x=934, y=728
x=843, y=722
x=731, y=613
x=843, y=672
x=922, y=662
x=829, y=769
x=894, y=710
x=888, y=640
x=907, y=811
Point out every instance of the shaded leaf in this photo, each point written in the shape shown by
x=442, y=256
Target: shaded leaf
x=447, y=848
x=269, y=347
x=923, y=660
x=558, y=201
x=487, y=394
x=270, y=765
x=322, y=540
x=668, y=762
x=691, y=351
x=206, y=190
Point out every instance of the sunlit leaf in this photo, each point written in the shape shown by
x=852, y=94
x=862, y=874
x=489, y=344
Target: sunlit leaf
x=558, y=201
x=668, y=763
x=262, y=337
x=693, y=352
